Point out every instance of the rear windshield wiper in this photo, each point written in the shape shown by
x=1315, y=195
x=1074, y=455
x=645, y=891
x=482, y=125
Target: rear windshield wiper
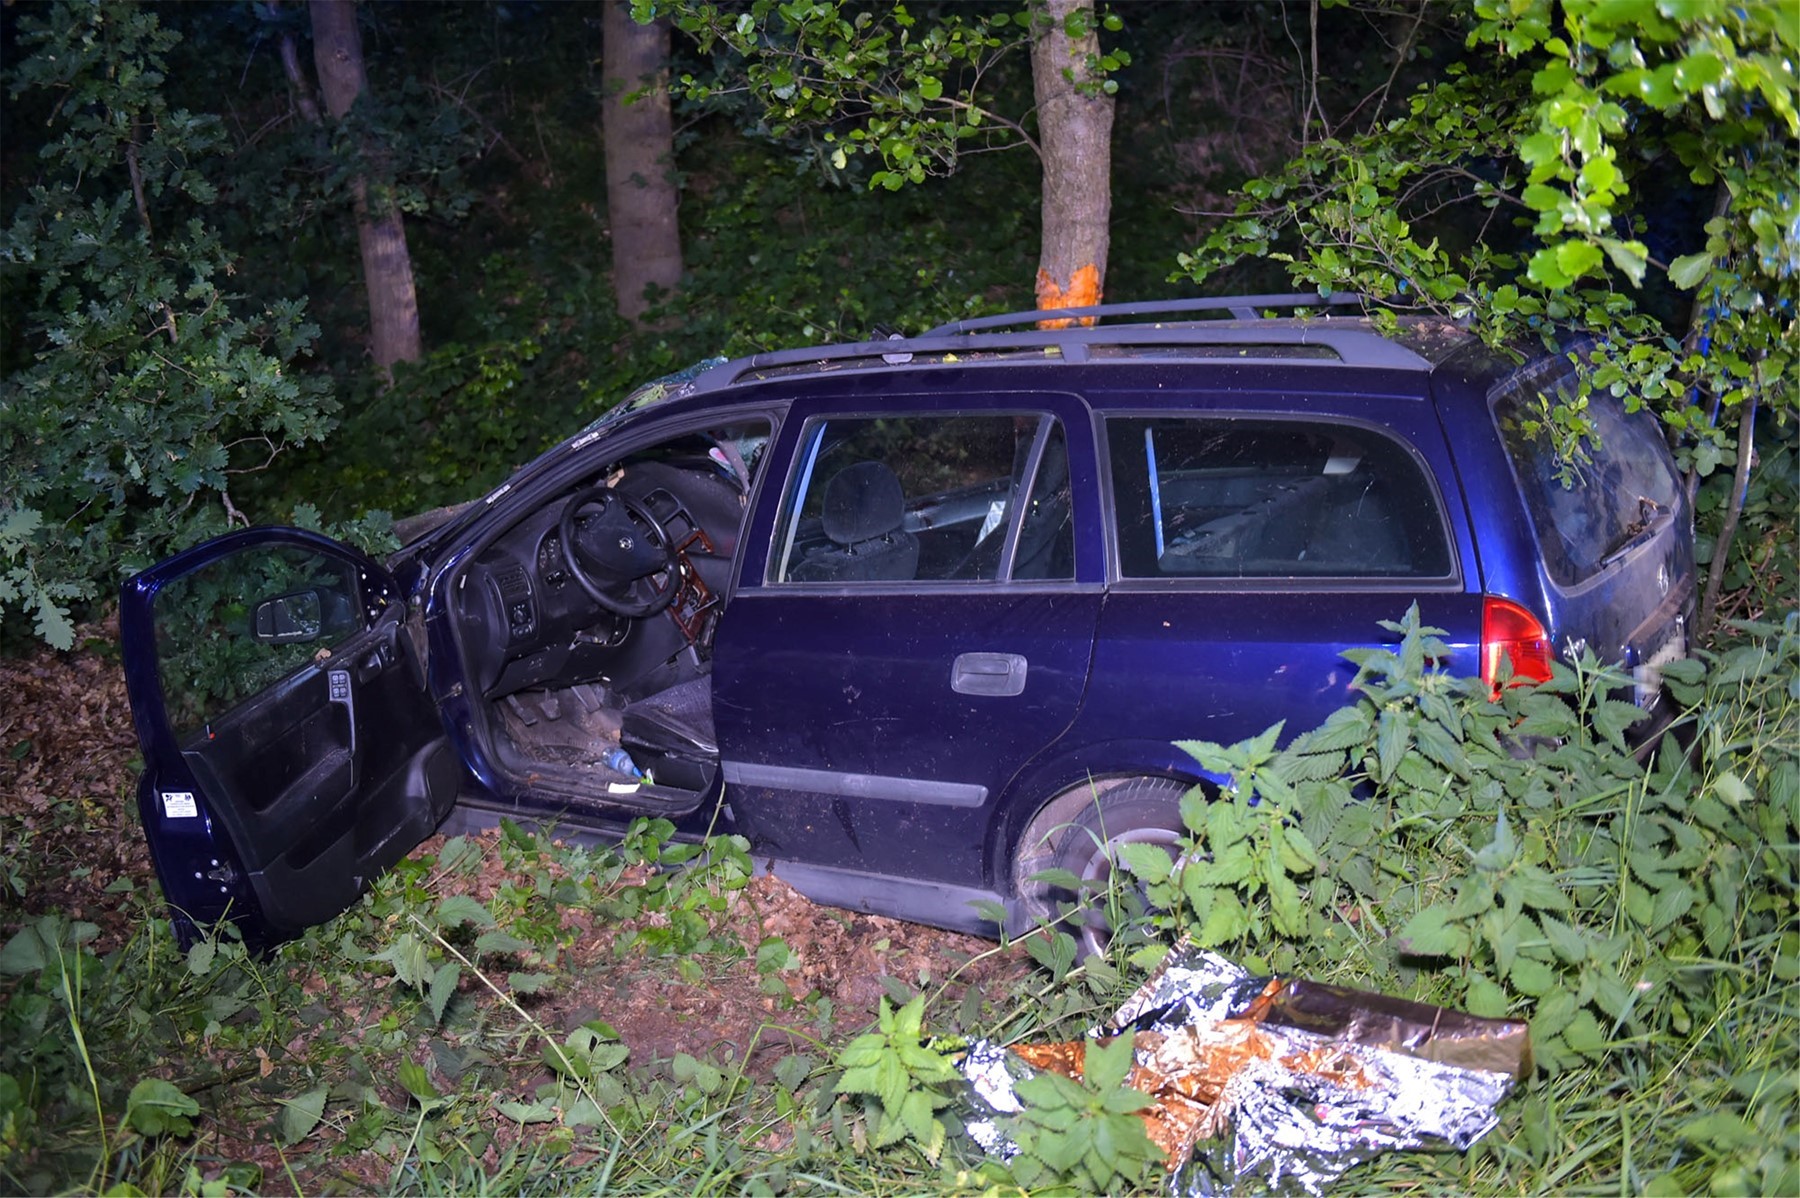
x=1651, y=515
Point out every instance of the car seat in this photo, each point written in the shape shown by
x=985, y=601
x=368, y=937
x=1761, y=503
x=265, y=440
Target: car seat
x=863, y=510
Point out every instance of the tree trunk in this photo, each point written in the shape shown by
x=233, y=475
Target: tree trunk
x=1075, y=135
x=387, y=266
x=641, y=196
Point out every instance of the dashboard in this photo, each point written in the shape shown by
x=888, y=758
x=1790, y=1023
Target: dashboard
x=525, y=621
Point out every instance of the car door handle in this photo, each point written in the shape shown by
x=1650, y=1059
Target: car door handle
x=996, y=674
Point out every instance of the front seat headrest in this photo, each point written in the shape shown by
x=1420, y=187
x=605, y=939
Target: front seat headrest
x=863, y=501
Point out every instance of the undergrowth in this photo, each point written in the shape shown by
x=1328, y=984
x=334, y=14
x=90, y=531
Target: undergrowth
x=1509, y=857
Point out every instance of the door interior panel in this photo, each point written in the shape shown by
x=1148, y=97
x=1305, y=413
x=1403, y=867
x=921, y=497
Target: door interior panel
x=327, y=790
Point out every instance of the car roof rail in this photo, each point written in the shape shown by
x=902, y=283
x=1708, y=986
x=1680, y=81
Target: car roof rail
x=1351, y=342
x=1240, y=307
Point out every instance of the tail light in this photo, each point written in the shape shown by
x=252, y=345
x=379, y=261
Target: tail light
x=1509, y=633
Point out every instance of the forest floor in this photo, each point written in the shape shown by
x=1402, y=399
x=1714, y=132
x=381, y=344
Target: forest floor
x=68, y=812
x=74, y=844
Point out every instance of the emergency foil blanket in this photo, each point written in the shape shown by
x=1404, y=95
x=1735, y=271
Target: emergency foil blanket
x=1274, y=1083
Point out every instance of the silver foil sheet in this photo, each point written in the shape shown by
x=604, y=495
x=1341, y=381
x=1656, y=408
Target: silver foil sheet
x=1274, y=1084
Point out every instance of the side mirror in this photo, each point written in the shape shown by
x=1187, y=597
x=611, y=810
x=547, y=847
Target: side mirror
x=289, y=619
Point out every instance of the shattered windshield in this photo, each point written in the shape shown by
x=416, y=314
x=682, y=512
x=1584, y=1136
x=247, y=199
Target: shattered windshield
x=669, y=386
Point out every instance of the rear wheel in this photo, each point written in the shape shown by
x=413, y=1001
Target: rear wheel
x=1083, y=832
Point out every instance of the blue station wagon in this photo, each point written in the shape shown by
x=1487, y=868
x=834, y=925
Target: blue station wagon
x=917, y=617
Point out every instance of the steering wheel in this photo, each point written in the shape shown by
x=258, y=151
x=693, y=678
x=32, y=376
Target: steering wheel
x=616, y=551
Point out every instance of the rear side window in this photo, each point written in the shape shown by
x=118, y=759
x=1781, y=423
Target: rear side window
x=1586, y=512
x=1223, y=497
x=928, y=498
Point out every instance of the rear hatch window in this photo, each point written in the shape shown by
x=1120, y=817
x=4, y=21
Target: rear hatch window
x=1590, y=509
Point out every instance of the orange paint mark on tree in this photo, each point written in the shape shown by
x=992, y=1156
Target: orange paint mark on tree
x=1083, y=291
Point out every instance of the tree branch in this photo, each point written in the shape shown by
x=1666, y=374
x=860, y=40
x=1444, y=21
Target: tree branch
x=988, y=115
x=297, y=80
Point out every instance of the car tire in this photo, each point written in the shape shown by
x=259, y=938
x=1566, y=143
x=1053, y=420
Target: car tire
x=1081, y=831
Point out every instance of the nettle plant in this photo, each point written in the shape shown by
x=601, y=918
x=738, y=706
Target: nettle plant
x=1510, y=856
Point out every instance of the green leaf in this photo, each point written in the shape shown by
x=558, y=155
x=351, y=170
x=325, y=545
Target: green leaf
x=529, y=983
x=1544, y=269
x=1285, y=906
x=458, y=909
x=1671, y=904
x=793, y=1070
x=1150, y=862
x=52, y=623
x=527, y=1112
x=156, y=1107
x=1225, y=921
x=691, y=1070
x=1578, y=258
x=1212, y=757
x=1697, y=70
x=1531, y=976
x=1688, y=271
x=584, y=1113
x=1565, y=941
x=1584, y=1035
x=1430, y=934
x=1542, y=197
x=918, y=1118
x=1599, y=175
x=1731, y=787
x=1612, y=718
x=1543, y=149
x=1194, y=803
x=1297, y=843
x=1537, y=889
x=1226, y=827
x=1437, y=743
x=443, y=985
x=1721, y=1130
x=418, y=1084
x=408, y=956
x=200, y=957
x=1393, y=738
x=1500, y=850
x=1486, y=999
x=1055, y=952
x=989, y=910
x=1059, y=879
x=1106, y=1065
x=300, y=1115
x=1631, y=257
x=24, y=953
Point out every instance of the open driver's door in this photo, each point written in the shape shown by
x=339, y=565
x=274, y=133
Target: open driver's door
x=291, y=749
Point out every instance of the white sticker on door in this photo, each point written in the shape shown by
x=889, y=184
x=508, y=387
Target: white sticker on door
x=179, y=804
